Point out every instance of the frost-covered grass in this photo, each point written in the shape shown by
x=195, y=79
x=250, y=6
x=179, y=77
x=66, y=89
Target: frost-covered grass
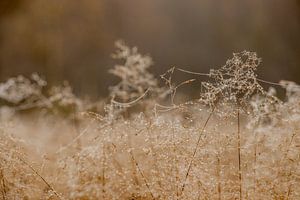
x=236, y=141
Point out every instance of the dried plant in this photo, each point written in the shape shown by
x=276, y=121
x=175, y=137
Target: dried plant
x=236, y=82
x=23, y=92
x=133, y=72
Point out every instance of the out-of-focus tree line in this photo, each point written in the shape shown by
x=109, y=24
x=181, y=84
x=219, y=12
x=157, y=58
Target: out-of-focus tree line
x=73, y=40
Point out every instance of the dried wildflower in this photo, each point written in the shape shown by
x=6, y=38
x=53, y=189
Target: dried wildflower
x=21, y=93
x=62, y=97
x=19, y=89
x=235, y=82
x=134, y=74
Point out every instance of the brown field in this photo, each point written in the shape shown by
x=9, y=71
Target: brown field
x=235, y=141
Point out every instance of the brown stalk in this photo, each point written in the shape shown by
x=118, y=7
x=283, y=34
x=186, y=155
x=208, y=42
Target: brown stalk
x=4, y=192
x=103, y=172
x=290, y=173
x=219, y=176
x=142, y=174
x=255, y=163
x=239, y=154
x=195, y=151
x=42, y=178
x=175, y=160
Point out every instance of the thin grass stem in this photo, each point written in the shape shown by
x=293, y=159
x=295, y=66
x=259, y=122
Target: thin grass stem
x=103, y=172
x=3, y=191
x=195, y=151
x=142, y=174
x=239, y=154
x=42, y=178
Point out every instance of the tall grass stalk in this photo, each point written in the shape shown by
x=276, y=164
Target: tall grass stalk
x=103, y=173
x=255, y=165
x=142, y=174
x=239, y=154
x=195, y=152
x=42, y=178
x=3, y=185
x=219, y=177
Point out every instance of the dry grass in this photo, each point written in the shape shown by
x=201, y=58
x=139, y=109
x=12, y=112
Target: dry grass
x=236, y=141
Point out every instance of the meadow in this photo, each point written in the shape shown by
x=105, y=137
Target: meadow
x=147, y=140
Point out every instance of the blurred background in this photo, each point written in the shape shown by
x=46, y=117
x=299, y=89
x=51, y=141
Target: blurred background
x=73, y=40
